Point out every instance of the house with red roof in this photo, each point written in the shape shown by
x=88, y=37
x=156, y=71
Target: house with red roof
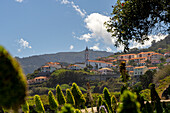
x=99, y=64
x=140, y=70
x=156, y=56
x=74, y=67
x=153, y=68
x=126, y=56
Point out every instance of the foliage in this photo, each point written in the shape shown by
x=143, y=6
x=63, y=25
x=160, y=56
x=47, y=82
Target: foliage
x=146, y=94
x=67, y=108
x=107, y=97
x=60, y=96
x=13, y=85
x=146, y=79
x=38, y=104
x=129, y=103
x=100, y=102
x=123, y=72
x=161, y=74
x=114, y=103
x=148, y=107
x=69, y=97
x=134, y=20
x=78, y=96
x=52, y=102
x=77, y=111
x=25, y=107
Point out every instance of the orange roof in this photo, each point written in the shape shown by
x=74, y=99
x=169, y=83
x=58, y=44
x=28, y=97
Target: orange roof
x=52, y=63
x=138, y=58
x=139, y=67
x=39, y=77
x=45, y=66
x=73, y=65
x=157, y=54
x=127, y=54
x=97, y=61
x=146, y=52
x=129, y=66
x=131, y=71
x=152, y=67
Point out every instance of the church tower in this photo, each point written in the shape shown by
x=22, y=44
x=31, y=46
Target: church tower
x=86, y=55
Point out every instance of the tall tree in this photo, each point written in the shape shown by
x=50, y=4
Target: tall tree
x=25, y=107
x=38, y=104
x=134, y=20
x=78, y=96
x=107, y=97
x=60, y=96
x=53, y=103
x=13, y=85
x=69, y=97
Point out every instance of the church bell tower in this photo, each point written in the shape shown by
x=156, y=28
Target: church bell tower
x=86, y=55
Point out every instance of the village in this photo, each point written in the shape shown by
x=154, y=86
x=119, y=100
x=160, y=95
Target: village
x=136, y=65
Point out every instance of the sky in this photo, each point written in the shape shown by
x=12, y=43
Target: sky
x=34, y=27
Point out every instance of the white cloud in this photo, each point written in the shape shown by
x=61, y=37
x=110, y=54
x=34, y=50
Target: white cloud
x=76, y=7
x=148, y=43
x=19, y=1
x=23, y=44
x=108, y=49
x=64, y=2
x=95, y=24
x=71, y=47
x=95, y=47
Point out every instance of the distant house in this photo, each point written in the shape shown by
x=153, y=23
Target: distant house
x=138, y=59
x=140, y=70
x=168, y=60
x=131, y=73
x=126, y=56
x=156, y=56
x=145, y=54
x=153, y=62
x=99, y=64
x=153, y=68
x=106, y=71
x=141, y=63
x=129, y=68
x=167, y=54
x=40, y=79
x=74, y=67
x=82, y=65
x=47, y=68
x=54, y=64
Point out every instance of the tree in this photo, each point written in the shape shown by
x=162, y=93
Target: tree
x=13, y=85
x=25, y=107
x=129, y=103
x=134, y=20
x=67, y=108
x=107, y=97
x=100, y=102
x=123, y=72
x=60, y=96
x=114, y=103
x=146, y=79
x=78, y=96
x=38, y=104
x=77, y=111
x=52, y=102
x=69, y=97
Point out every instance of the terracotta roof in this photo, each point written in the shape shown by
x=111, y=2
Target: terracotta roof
x=152, y=67
x=129, y=66
x=139, y=67
x=98, y=61
x=157, y=54
x=45, y=66
x=146, y=52
x=39, y=77
x=106, y=69
x=127, y=54
x=138, y=58
x=131, y=71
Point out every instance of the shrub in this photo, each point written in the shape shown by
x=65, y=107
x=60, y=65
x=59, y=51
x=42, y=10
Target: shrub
x=107, y=97
x=25, y=107
x=69, y=97
x=78, y=96
x=53, y=103
x=60, y=96
x=129, y=103
x=100, y=102
x=77, y=111
x=12, y=82
x=38, y=104
x=67, y=108
x=114, y=103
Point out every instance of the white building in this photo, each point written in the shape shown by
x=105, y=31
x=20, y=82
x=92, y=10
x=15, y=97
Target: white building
x=140, y=70
x=47, y=68
x=106, y=71
x=99, y=64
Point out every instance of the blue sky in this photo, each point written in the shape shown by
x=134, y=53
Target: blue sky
x=33, y=27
